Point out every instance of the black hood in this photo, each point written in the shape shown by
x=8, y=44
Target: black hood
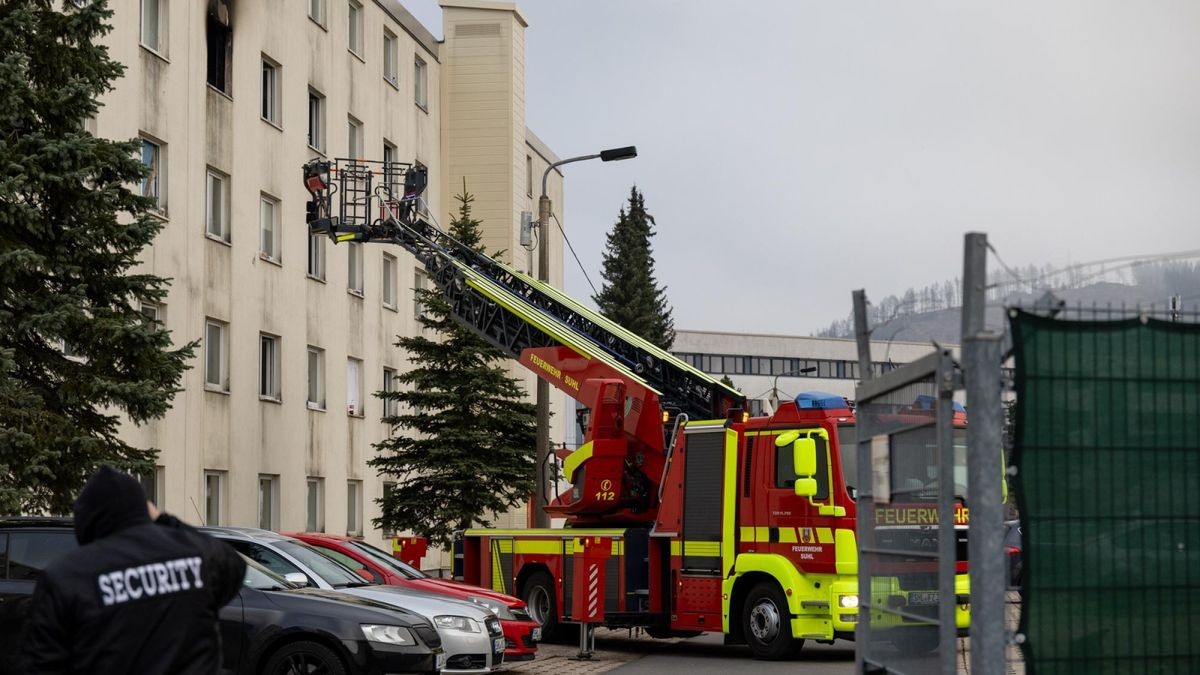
x=110, y=502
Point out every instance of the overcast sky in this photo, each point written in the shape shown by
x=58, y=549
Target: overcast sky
x=793, y=151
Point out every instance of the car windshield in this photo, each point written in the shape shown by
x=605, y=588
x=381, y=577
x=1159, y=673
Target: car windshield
x=263, y=579
x=382, y=558
x=915, y=467
x=324, y=567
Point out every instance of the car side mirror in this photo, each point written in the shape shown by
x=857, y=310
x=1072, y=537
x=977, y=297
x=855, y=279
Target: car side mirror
x=297, y=578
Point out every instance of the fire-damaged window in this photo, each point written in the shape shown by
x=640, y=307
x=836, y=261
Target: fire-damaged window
x=785, y=468
x=220, y=44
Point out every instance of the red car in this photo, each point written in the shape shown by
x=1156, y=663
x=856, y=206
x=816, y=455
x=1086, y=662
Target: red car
x=521, y=632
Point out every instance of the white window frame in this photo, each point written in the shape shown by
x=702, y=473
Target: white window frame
x=272, y=90
x=316, y=11
x=354, y=28
x=214, y=504
x=420, y=283
x=354, y=508
x=420, y=83
x=268, y=501
x=316, y=257
x=388, y=282
x=314, y=504
x=153, y=484
x=315, y=398
x=216, y=215
x=151, y=311
x=354, y=269
x=316, y=120
x=269, y=367
x=155, y=42
x=391, y=61
x=269, y=244
x=219, y=370
x=391, y=407
x=354, y=387
x=354, y=138
x=154, y=185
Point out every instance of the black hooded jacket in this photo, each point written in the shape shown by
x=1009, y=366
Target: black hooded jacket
x=137, y=596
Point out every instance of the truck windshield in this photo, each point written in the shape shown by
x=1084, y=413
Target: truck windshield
x=915, y=468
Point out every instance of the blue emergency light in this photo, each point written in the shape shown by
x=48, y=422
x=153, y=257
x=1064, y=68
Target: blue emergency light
x=820, y=400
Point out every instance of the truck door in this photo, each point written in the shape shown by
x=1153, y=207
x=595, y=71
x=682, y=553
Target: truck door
x=801, y=527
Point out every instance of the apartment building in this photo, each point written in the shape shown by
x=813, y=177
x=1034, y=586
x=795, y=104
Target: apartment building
x=230, y=98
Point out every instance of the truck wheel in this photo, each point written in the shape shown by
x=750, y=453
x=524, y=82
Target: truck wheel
x=766, y=624
x=541, y=599
x=304, y=658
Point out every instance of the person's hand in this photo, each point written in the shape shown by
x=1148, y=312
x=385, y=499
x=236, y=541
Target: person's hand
x=152, y=510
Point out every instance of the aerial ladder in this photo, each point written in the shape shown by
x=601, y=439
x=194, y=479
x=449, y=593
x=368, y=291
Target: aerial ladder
x=635, y=394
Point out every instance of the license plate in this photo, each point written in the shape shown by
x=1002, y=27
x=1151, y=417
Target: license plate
x=537, y=634
x=497, y=645
x=923, y=598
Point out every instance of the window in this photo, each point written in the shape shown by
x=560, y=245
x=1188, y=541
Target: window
x=354, y=269
x=316, y=256
x=354, y=508
x=528, y=175
x=30, y=552
x=785, y=469
x=268, y=366
x=355, y=24
x=152, y=24
x=219, y=41
x=389, y=58
x=389, y=281
x=150, y=311
x=387, y=491
x=316, y=378
x=153, y=484
x=420, y=283
x=354, y=138
x=316, y=120
x=268, y=502
x=270, y=91
x=419, y=84
x=316, y=11
x=153, y=185
x=268, y=222
x=315, y=501
x=216, y=355
x=214, y=489
x=390, y=405
x=354, y=405
x=389, y=153
x=216, y=205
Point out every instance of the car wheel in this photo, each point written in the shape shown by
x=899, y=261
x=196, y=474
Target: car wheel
x=541, y=599
x=766, y=623
x=304, y=658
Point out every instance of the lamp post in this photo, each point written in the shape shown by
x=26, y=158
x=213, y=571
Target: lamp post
x=541, y=519
x=775, y=384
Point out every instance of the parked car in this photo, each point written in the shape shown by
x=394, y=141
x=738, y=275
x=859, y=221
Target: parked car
x=521, y=632
x=268, y=628
x=471, y=635
x=1012, y=551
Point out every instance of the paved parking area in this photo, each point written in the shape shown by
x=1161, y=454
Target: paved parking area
x=614, y=648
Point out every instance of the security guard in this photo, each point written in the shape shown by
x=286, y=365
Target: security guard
x=139, y=595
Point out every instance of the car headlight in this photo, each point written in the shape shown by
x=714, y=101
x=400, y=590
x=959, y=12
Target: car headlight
x=847, y=601
x=390, y=635
x=459, y=623
x=497, y=608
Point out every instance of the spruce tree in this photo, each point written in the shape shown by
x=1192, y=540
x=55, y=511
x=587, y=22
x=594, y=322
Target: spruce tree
x=465, y=435
x=71, y=231
x=630, y=294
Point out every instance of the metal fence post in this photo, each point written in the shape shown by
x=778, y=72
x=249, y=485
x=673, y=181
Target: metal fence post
x=862, y=334
x=981, y=372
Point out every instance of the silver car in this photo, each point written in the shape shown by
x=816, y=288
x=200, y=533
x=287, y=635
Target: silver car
x=471, y=635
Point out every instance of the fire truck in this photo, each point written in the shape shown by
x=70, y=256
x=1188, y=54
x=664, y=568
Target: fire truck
x=684, y=514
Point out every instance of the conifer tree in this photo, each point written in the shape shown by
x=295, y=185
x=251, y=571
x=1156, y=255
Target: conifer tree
x=75, y=351
x=630, y=294
x=465, y=435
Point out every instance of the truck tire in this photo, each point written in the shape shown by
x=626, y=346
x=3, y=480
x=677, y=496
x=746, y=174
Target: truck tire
x=541, y=599
x=296, y=658
x=766, y=624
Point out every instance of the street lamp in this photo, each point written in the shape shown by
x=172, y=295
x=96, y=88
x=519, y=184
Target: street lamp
x=541, y=519
x=774, y=400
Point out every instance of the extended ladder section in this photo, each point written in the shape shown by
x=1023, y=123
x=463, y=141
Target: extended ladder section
x=508, y=308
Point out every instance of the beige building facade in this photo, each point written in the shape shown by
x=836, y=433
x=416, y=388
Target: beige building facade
x=276, y=418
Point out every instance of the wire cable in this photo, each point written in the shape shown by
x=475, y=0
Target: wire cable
x=577, y=261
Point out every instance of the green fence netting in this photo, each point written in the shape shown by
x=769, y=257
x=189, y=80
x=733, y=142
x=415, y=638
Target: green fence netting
x=1108, y=486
